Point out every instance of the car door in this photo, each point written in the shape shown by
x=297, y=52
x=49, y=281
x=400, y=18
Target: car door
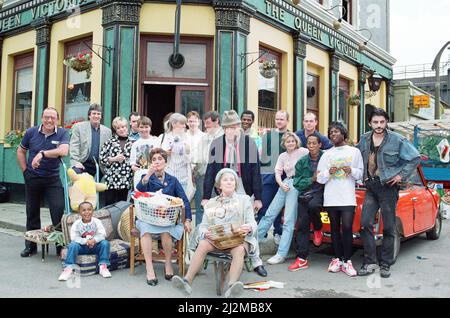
x=423, y=216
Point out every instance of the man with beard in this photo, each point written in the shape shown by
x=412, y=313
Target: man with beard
x=388, y=159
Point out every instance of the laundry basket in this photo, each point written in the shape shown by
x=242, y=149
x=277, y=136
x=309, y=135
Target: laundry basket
x=158, y=214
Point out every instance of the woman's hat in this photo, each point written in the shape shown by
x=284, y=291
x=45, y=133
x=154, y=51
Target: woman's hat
x=220, y=174
x=230, y=118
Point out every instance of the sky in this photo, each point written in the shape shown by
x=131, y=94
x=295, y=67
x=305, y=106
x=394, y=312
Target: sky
x=419, y=29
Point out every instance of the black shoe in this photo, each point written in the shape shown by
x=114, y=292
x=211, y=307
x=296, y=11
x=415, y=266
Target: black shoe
x=28, y=251
x=385, y=271
x=152, y=282
x=260, y=270
x=167, y=276
x=367, y=269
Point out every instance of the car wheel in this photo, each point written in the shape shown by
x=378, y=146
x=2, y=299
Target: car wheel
x=435, y=232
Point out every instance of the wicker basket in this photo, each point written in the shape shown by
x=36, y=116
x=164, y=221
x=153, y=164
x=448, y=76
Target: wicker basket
x=158, y=215
x=225, y=236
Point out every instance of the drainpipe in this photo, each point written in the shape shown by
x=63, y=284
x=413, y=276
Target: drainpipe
x=176, y=60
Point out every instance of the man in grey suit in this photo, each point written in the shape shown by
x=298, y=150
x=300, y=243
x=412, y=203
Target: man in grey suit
x=87, y=140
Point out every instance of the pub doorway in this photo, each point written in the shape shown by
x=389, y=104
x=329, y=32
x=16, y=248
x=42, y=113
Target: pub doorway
x=159, y=100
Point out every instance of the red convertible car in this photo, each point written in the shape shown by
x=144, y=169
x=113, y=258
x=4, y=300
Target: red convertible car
x=417, y=212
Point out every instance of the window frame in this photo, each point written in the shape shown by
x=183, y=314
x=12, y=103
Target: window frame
x=22, y=61
x=145, y=39
x=279, y=57
x=316, y=111
x=67, y=53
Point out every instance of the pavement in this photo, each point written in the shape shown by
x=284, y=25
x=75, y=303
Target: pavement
x=420, y=271
x=13, y=216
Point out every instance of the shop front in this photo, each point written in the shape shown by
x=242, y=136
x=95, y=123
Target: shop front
x=262, y=55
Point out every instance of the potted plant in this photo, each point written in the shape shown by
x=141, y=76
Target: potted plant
x=268, y=69
x=80, y=63
x=354, y=100
x=14, y=137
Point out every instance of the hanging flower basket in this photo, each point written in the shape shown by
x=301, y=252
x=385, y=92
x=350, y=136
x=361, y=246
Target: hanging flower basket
x=354, y=100
x=80, y=63
x=268, y=69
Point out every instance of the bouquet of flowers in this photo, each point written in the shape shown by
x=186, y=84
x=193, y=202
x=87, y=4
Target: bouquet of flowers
x=81, y=62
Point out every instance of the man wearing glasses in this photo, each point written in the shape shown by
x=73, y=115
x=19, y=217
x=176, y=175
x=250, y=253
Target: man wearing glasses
x=45, y=144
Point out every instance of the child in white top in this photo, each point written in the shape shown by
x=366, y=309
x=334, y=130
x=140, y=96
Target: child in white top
x=88, y=236
x=339, y=168
x=140, y=150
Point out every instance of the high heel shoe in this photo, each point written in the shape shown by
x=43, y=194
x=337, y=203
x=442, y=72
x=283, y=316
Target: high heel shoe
x=167, y=276
x=152, y=282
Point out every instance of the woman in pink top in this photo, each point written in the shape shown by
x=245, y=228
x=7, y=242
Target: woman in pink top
x=286, y=196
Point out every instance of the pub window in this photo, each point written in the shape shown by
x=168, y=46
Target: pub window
x=77, y=88
x=312, y=94
x=268, y=86
x=23, y=91
x=194, y=66
x=344, y=93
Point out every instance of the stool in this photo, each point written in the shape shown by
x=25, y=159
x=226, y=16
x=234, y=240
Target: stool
x=222, y=262
x=39, y=237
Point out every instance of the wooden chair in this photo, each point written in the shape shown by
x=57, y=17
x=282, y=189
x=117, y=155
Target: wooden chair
x=137, y=255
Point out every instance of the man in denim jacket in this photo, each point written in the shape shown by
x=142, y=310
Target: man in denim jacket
x=388, y=159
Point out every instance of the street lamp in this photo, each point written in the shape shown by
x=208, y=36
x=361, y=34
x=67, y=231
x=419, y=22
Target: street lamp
x=337, y=23
x=437, y=85
x=362, y=45
x=375, y=82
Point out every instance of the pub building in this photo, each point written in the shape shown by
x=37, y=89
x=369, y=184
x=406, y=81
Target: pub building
x=161, y=56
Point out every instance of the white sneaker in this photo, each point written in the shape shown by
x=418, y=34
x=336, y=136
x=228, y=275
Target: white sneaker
x=348, y=269
x=335, y=265
x=104, y=271
x=277, y=239
x=234, y=290
x=65, y=275
x=276, y=259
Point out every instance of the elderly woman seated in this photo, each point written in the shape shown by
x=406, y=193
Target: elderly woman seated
x=156, y=179
x=228, y=207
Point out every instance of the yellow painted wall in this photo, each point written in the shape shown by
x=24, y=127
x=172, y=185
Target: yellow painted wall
x=196, y=20
x=318, y=63
x=267, y=36
x=160, y=19
x=12, y=46
x=350, y=72
x=64, y=31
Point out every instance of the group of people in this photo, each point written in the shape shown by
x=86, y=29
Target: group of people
x=234, y=176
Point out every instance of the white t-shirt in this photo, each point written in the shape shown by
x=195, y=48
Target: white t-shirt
x=140, y=151
x=340, y=188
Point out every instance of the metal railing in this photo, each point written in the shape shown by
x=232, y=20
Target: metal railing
x=419, y=70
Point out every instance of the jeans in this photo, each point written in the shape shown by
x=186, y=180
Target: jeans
x=270, y=188
x=384, y=197
x=308, y=213
x=101, y=249
x=36, y=188
x=198, y=199
x=342, y=216
x=289, y=201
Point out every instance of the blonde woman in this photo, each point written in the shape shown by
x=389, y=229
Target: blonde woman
x=177, y=146
x=115, y=157
x=286, y=196
x=228, y=207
